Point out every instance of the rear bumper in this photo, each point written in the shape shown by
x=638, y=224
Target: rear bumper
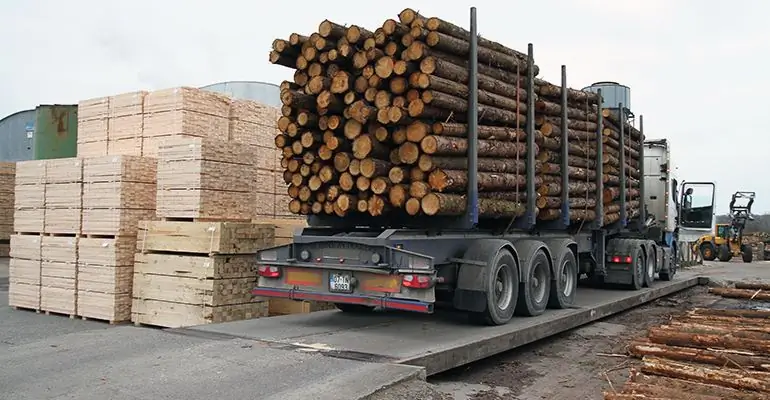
x=384, y=302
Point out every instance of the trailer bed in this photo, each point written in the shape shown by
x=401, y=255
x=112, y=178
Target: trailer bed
x=438, y=342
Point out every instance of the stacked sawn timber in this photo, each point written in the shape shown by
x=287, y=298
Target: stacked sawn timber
x=375, y=120
x=7, y=183
x=197, y=266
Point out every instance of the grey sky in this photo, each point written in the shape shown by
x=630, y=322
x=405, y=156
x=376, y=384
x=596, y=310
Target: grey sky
x=696, y=68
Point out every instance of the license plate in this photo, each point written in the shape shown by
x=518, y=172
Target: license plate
x=340, y=282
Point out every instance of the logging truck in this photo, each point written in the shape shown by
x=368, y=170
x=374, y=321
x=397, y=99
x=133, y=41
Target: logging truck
x=498, y=221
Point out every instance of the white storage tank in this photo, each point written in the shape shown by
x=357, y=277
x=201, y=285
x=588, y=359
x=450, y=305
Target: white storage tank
x=613, y=94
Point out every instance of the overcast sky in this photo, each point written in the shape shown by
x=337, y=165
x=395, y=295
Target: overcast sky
x=697, y=69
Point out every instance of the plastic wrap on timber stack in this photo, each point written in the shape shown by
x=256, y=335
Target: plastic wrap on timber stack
x=118, y=192
x=183, y=111
x=28, y=223
x=206, y=179
x=7, y=186
x=376, y=124
x=719, y=353
x=93, y=122
x=193, y=273
x=125, y=125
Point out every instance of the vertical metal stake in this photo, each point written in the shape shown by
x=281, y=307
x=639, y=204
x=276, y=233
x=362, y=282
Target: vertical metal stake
x=531, y=198
x=564, y=149
x=623, y=179
x=599, y=165
x=642, y=198
x=472, y=212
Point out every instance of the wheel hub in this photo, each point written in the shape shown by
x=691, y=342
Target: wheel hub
x=566, y=280
x=538, y=282
x=503, y=288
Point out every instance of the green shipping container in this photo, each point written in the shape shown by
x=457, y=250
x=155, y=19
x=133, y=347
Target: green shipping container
x=56, y=132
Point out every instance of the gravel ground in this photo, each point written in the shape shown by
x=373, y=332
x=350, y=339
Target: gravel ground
x=579, y=364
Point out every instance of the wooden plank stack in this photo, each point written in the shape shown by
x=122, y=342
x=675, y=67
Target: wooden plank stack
x=194, y=273
x=374, y=122
x=25, y=244
x=125, y=123
x=7, y=183
x=118, y=192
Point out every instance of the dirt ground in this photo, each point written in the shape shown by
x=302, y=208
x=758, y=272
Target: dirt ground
x=578, y=364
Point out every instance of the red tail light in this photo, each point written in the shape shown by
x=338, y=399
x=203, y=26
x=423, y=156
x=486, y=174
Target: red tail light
x=619, y=259
x=268, y=271
x=417, y=281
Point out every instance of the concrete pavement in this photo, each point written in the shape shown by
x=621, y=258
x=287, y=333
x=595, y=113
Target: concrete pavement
x=293, y=357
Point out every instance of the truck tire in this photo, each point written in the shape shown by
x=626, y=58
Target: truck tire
x=650, y=266
x=534, y=294
x=708, y=251
x=564, y=284
x=353, y=308
x=724, y=254
x=502, y=290
x=638, y=265
x=746, y=254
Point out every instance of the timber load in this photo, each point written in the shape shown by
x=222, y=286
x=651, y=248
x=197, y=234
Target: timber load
x=375, y=122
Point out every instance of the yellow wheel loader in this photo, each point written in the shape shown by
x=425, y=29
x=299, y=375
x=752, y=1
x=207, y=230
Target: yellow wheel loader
x=727, y=241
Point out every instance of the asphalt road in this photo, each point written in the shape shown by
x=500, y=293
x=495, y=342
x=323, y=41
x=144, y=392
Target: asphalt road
x=53, y=357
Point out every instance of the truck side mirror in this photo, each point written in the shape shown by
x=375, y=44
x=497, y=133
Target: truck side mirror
x=697, y=206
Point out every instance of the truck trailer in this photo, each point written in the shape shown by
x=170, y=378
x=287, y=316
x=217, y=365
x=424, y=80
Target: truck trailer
x=495, y=270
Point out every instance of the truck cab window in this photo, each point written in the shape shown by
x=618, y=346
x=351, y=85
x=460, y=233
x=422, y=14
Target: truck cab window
x=697, y=205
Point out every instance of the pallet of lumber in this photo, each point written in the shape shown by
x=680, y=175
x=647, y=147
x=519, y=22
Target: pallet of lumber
x=7, y=186
x=63, y=196
x=194, y=273
x=29, y=197
x=207, y=178
x=375, y=122
x=118, y=192
x=24, y=273
x=93, y=120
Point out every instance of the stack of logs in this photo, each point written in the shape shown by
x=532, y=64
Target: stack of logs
x=375, y=121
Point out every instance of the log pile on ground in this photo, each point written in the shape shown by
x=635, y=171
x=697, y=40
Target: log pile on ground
x=375, y=122
x=705, y=354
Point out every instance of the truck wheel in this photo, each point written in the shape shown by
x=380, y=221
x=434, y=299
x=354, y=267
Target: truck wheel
x=649, y=271
x=724, y=254
x=534, y=294
x=637, y=269
x=502, y=291
x=746, y=254
x=564, y=284
x=353, y=308
x=708, y=252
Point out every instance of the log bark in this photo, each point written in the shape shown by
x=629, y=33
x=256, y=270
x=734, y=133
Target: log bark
x=549, y=108
x=424, y=81
x=484, y=131
x=612, y=193
x=576, y=173
x=575, y=188
x=298, y=100
x=452, y=146
x=574, y=215
x=752, y=285
x=702, y=356
x=447, y=180
x=447, y=28
x=372, y=167
x=460, y=47
x=575, y=161
x=754, y=294
x=731, y=313
x=441, y=68
x=728, y=378
x=428, y=163
x=486, y=113
x=284, y=60
x=684, y=339
x=692, y=388
x=330, y=29
x=581, y=125
x=454, y=205
x=574, y=202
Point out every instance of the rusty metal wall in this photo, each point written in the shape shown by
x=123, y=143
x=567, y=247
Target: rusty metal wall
x=16, y=136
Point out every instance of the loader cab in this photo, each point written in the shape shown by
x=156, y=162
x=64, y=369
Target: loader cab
x=696, y=210
x=723, y=231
